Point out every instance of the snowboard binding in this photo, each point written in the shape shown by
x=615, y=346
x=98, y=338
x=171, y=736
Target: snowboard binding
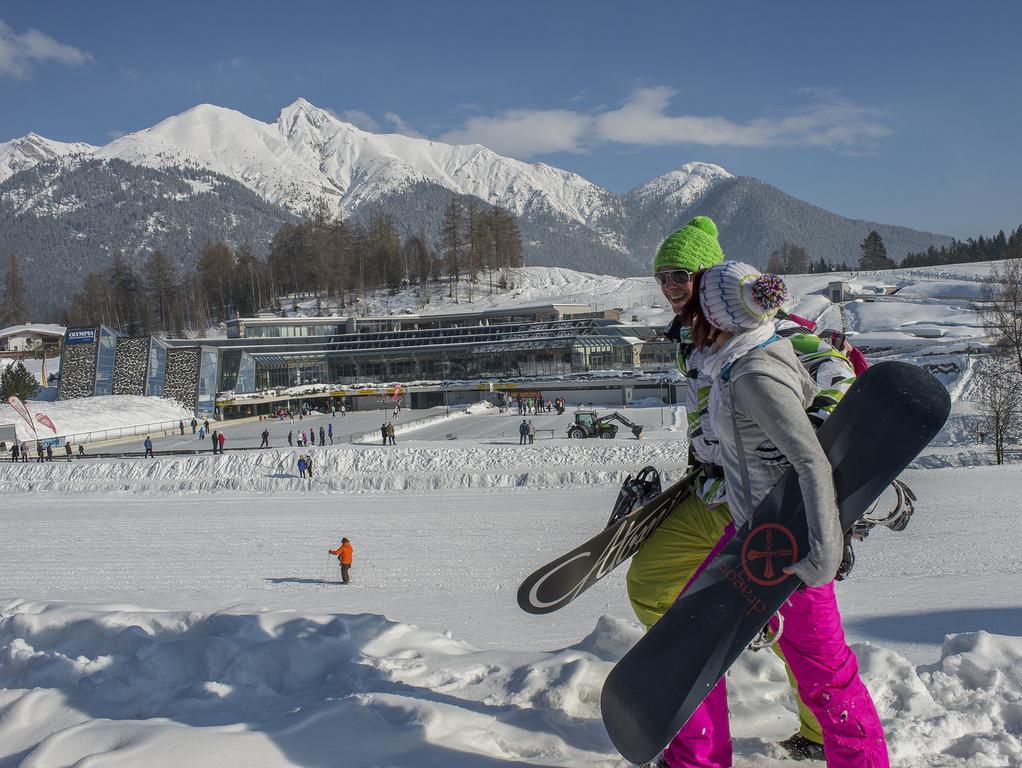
x=768, y=637
x=896, y=520
x=635, y=491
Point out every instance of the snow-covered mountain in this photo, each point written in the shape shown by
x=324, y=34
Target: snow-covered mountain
x=31, y=149
x=308, y=156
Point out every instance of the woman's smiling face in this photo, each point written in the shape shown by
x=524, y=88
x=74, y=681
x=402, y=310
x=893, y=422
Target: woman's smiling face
x=677, y=293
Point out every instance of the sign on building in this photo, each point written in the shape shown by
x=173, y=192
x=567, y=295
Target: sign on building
x=81, y=336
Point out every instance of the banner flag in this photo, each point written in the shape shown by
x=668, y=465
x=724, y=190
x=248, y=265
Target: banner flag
x=45, y=421
x=15, y=402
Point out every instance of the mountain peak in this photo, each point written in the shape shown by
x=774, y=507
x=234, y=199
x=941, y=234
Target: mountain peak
x=302, y=110
x=28, y=150
x=683, y=185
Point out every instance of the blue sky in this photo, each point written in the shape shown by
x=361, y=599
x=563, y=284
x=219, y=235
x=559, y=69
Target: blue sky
x=900, y=112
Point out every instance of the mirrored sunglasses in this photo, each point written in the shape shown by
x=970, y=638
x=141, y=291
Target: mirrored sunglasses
x=679, y=276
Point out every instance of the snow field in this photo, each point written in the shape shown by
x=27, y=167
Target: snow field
x=209, y=629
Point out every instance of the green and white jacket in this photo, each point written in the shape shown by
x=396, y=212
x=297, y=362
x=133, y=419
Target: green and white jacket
x=829, y=368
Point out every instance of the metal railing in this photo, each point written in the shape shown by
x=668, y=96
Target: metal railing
x=114, y=433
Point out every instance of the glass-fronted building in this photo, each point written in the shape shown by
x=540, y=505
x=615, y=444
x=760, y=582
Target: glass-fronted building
x=266, y=355
x=509, y=350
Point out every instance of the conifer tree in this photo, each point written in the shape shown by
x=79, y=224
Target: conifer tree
x=874, y=254
x=16, y=381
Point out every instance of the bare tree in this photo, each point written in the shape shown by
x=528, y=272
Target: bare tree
x=1000, y=400
x=789, y=259
x=13, y=305
x=1002, y=310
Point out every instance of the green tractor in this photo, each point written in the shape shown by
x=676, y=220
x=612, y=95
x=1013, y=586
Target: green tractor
x=590, y=424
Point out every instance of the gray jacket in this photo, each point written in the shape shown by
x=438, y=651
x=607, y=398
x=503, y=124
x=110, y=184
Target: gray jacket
x=769, y=391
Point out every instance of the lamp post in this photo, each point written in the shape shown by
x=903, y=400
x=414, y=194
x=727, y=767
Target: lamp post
x=447, y=403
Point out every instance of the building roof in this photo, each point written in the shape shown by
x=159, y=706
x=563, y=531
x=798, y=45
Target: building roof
x=33, y=329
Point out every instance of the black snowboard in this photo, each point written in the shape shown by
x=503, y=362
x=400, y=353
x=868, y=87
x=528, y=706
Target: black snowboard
x=559, y=582
x=887, y=417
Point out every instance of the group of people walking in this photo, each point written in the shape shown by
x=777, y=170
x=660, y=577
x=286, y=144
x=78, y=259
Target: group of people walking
x=753, y=405
x=387, y=433
x=526, y=432
x=529, y=405
x=309, y=438
x=43, y=453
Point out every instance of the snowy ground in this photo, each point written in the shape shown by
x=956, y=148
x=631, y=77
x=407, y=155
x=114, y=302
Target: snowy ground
x=180, y=605
x=184, y=610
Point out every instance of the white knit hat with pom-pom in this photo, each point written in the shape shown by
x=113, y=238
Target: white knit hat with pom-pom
x=736, y=297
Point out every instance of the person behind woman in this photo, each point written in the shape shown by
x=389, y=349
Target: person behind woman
x=691, y=534
x=758, y=401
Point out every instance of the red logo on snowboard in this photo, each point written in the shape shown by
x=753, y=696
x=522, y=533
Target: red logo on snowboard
x=766, y=551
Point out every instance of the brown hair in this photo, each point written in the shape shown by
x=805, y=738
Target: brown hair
x=703, y=334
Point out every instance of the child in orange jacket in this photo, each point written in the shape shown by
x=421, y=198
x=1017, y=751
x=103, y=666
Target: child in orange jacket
x=344, y=553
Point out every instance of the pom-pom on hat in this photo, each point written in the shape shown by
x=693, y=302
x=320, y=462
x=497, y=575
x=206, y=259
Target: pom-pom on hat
x=735, y=297
x=693, y=247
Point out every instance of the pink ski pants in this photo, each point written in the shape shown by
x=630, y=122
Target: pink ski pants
x=828, y=682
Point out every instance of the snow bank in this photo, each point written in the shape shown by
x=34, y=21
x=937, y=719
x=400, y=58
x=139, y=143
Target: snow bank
x=127, y=686
x=357, y=469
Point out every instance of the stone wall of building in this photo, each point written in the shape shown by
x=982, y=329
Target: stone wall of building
x=182, y=375
x=130, y=365
x=77, y=371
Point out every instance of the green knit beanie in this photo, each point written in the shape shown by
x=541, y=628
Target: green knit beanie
x=693, y=247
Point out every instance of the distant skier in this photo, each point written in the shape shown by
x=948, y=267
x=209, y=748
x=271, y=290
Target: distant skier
x=266, y=439
x=24, y=453
x=194, y=425
x=308, y=463
x=220, y=442
x=213, y=437
x=291, y=438
x=301, y=466
x=67, y=449
x=49, y=452
x=344, y=555
x=532, y=432
x=383, y=432
x=322, y=436
x=344, y=410
x=523, y=432
x=202, y=433
x=148, y=445
x=330, y=433
x=15, y=452
x=391, y=436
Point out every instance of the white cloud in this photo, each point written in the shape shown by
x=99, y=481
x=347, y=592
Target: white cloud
x=400, y=126
x=359, y=119
x=828, y=119
x=524, y=133
x=19, y=51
